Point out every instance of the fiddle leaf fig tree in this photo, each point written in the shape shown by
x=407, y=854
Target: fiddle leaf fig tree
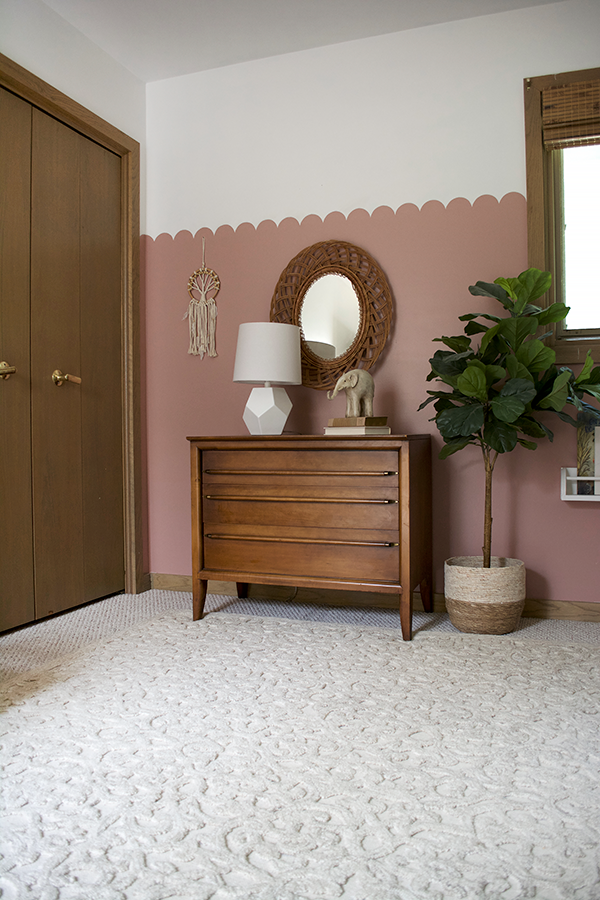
x=496, y=391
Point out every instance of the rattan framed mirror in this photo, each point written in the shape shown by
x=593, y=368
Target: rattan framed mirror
x=373, y=297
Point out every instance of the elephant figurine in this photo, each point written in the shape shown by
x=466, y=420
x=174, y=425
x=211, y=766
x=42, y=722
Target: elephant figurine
x=359, y=387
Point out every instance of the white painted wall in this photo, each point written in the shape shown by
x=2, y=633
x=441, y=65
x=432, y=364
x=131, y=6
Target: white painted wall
x=38, y=39
x=434, y=113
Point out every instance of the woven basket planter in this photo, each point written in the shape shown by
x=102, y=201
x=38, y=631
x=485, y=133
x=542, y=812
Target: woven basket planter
x=484, y=601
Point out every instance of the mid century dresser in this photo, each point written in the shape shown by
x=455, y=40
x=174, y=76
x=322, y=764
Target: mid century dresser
x=313, y=511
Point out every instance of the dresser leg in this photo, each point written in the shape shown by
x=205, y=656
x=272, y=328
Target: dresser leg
x=406, y=610
x=426, y=595
x=242, y=589
x=199, y=598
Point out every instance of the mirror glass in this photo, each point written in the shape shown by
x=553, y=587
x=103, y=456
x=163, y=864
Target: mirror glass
x=330, y=315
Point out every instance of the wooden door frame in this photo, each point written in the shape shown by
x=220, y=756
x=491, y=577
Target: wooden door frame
x=42, y=95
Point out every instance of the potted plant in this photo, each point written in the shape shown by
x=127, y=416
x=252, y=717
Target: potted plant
x=493, y=398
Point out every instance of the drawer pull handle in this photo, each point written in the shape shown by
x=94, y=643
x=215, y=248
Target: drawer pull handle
x=288, y=472
x=291, y=499
x=283, y=540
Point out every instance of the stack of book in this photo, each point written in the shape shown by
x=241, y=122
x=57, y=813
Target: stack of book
x=359, y=425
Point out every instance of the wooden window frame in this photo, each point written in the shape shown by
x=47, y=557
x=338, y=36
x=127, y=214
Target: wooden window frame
x=543, y=216
x=45, y=97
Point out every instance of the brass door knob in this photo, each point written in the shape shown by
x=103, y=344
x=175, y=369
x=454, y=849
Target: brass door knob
x=6, y=371
x=58, y=378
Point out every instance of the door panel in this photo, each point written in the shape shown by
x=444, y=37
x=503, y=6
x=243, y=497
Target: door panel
x=16, y=548
x=56, y=411
x=100, y=328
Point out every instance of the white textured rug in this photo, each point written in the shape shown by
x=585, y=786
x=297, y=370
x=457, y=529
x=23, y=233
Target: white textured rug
x=245, y=757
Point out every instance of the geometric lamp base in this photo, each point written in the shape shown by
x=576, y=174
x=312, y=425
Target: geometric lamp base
x=267, y=410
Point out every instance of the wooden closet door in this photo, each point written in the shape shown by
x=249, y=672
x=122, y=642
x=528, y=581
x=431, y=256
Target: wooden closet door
x=16, y=548
x=55, y=411
x=75, y=328
x=101, y=349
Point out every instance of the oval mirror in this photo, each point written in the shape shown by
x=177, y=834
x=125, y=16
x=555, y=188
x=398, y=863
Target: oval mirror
x=330, y=316
x=334, y=267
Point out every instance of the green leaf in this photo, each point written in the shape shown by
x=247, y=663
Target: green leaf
x=496, y=291
x=441, y=404
x=592, y=389
x=574, y=399
x=549, y=434
x=594, y=376
x=459, y=343
x=520, y=389
x=469, y=316
x=509, y=285
x=473, y=383
x=529, y=445
x=535, y=356
x=461, y=421
x=475, y=328
x=445, y=363
x=492, y=373
x=536, y=283
x=565, y=418
x=488, y=289
x=499, y=436
x=528, y=287
x=453, y=446
x=530, y=427
x=557, y=398
x=586, y=370
x=516, y=369
x=517, y=330
x=554, y=313
x=507, y=409
x=489, y=335
x=433, y=395
x=495, y=352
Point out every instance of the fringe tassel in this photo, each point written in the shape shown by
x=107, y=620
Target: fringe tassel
x=202, y=314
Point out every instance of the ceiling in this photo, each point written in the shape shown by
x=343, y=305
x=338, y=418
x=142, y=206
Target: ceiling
x=156, y=39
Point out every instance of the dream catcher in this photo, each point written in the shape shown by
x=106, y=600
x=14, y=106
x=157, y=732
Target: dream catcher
x=203, y=287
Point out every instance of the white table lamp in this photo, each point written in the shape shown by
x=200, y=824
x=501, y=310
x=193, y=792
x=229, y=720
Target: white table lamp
x=267, y=352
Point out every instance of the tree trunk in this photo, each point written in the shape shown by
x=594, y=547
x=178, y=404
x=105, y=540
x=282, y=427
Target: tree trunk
x=487, y=516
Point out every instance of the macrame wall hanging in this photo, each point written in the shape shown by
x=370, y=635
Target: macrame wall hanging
x=203, y=288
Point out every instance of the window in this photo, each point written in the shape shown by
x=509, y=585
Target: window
x=562, y=127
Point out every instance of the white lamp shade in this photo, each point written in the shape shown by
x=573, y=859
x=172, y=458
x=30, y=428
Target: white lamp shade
x=268, y=352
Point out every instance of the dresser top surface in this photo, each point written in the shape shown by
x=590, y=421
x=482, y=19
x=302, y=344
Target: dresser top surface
x=312, y=440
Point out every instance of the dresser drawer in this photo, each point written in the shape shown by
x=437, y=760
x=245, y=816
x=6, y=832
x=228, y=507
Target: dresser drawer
x=310, y=511
x=344, y=554
x=308, y=467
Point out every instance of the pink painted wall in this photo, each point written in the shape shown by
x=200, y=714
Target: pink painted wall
x=430, y=256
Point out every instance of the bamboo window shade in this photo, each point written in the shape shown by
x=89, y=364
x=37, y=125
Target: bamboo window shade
x=571, y=114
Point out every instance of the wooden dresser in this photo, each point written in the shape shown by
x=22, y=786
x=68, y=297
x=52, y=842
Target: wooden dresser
x=313, y=511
